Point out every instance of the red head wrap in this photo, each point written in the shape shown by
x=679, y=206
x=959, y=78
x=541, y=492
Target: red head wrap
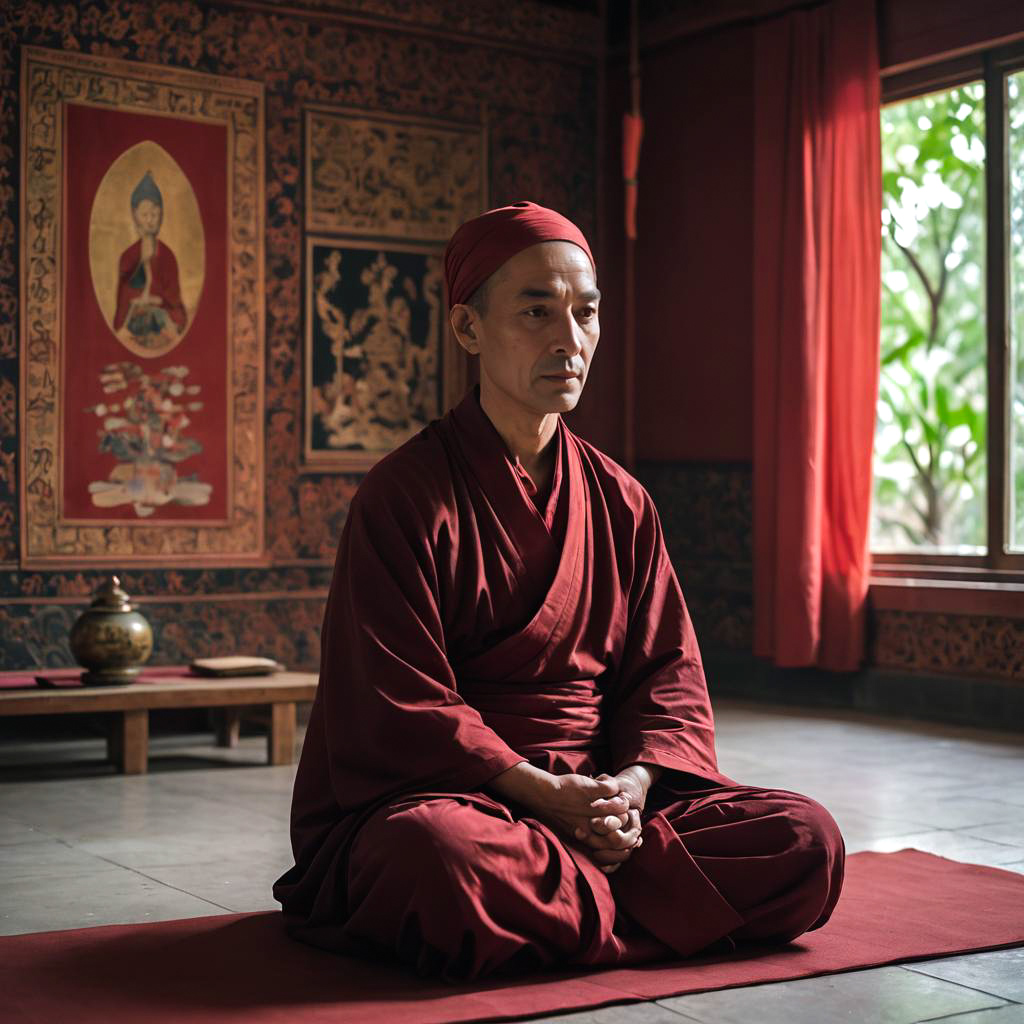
x=485, y=243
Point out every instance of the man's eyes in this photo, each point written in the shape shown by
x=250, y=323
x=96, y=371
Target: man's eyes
x=587, y=313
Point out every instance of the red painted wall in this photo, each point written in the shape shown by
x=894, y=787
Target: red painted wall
x=913, y=32
x=694, y=263
x=600, y=415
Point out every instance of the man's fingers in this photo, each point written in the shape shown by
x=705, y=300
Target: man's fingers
x=622, y=840
x=609, y=805
x=617, y=840
x=602, y=785
x=611, y=823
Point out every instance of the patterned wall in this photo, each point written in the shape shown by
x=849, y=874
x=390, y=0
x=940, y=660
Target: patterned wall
x=529, y=68
x=969, y=645
x=705, y=512
x=707, y=515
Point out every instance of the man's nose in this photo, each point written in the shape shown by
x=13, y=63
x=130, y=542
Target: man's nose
x=568, y=335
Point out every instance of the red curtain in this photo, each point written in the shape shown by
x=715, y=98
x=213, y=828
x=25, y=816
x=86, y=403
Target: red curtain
x=817, y=253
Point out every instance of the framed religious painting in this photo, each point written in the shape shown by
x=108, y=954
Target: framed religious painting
x=142, y=314
x=383, y=176
x=376, y=365
x=383, y=194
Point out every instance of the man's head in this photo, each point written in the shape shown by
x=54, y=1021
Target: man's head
x=147, y=205
x=522, y=287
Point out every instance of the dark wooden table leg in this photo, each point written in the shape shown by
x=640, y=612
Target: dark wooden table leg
x=115, y=738
x=281, y=741
x=135, y=742
x=229, y=723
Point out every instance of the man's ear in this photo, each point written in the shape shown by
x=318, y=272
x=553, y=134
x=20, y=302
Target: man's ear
x=465, y=326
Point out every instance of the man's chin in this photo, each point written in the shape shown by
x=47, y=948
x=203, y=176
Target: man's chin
x=565, y=402
x=560, y=395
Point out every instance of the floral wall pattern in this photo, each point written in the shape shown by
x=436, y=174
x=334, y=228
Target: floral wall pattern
x=530, y=69
x=531, y=75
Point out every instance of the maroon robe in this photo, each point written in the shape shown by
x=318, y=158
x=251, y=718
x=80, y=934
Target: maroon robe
x=164, y=283
x=467, y=630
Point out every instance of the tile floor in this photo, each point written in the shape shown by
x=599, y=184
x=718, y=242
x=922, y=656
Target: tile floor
x=205, y=833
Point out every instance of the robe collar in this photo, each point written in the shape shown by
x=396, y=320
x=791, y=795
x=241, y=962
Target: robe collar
x=494, y=462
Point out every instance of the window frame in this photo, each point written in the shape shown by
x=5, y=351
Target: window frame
x=950, y=582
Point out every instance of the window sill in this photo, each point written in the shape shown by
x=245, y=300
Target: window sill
x=1002, y=598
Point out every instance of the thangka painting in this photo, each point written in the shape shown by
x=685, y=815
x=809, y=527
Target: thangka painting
x=383, y=196
x=374, y=359
x=389, y=177
x=142, y=314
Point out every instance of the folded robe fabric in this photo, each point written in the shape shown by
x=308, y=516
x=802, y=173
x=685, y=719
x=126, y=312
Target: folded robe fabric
x=467, y=630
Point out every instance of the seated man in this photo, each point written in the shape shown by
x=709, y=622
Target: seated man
x=510, y=761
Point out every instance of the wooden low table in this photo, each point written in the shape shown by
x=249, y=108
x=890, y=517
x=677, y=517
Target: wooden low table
x=128, y=744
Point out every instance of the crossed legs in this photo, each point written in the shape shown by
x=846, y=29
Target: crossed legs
x=459, y=886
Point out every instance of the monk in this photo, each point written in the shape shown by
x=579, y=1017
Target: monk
x=149, y=311
x=510, y=761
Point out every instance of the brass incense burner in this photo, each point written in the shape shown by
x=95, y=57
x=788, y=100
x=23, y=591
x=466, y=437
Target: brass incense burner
x=110, y=639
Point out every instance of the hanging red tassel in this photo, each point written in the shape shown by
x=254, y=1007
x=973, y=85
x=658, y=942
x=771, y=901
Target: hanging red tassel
x=632, y=135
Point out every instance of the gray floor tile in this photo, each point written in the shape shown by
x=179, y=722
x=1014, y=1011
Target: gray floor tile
x=195, y=844
x=954, y=845
x=860, y=827
x=1009, y=831
x=887, y=995
x=627, y=1013
x=1005, y=1015
x=946, y=811
x=13, y=832
x=1000, y=972
x=239, y=883
x=46, y=858
x=109, y=896
x=1009, y=793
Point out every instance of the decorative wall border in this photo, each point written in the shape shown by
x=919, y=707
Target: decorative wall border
x=395, y=167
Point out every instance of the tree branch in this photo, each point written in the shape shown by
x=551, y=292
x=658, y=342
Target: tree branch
x=915, y=263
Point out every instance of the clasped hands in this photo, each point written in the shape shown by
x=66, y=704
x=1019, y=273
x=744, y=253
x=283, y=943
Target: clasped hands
x=602, y=813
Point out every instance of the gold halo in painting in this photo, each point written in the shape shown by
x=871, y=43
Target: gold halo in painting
x=148, y=291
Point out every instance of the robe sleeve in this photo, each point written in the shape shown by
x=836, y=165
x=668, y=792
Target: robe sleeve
x=168, y=284
x=125, y=292
x=392, y=717
x=660, y=710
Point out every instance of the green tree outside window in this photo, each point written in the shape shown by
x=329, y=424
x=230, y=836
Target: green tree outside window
x=1015, y=152
x=930, y=442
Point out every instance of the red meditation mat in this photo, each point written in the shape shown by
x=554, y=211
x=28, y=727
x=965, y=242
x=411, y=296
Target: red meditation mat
x=242, y=967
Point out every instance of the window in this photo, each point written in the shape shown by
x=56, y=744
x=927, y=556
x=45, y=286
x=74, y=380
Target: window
x=949, y=441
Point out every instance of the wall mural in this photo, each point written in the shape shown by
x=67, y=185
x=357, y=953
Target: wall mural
x=391, y=177
x=374, y=331
x=142, y=346
x=380, y=364
x=541, y=110
x=541, y=116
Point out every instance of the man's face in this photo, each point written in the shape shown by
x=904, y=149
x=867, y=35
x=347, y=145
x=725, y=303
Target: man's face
x=148, y=216
x=539, y=329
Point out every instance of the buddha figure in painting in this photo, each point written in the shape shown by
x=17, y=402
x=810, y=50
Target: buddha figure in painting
x=149, y=313
x=510, y=762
